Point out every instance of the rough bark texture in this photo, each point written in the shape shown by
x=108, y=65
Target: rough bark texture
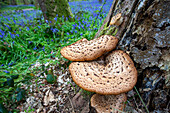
x=36, y=4
x=51, y=8
x=13, y=2
x=25, y=2
x=144, y=34
x=43, y=8
x=100, y=1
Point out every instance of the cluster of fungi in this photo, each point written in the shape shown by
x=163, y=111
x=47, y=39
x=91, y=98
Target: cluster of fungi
x=110, y=80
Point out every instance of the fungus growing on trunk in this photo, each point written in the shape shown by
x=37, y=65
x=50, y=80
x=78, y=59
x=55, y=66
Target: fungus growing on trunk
x=84, y=50
x=112, y=78
x=108, y=103
x=116, y=20
x=119, y=75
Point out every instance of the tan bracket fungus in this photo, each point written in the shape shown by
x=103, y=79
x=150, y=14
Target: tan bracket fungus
x=116, y=20
x=111, y=78
x=108, y=103
x=84, y=50
x=119, y=75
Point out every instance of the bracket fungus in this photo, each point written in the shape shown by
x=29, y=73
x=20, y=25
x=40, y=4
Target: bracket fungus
x=117, y=76
x=108, y=103
x=116, y=20
x=109, y=79
x=84, y=50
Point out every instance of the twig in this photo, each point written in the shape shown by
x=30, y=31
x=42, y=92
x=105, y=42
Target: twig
x=141, y=100
x=167, y=106
x=71, y=103
x=135, y=101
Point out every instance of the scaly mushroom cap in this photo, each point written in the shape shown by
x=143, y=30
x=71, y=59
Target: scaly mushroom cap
x=119, y=75
x=84, y=50
x=116, y=20
x=108, y=103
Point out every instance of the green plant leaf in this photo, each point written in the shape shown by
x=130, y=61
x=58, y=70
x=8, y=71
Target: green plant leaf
x=21, y=95
x=43, y=67
x=3, y=109
x=18, y=89
x=50, y=78
x=14, y=76
x=10, y=82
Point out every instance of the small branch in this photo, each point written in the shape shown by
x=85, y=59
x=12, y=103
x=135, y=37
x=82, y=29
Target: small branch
x=135, y=101
x=71, y=103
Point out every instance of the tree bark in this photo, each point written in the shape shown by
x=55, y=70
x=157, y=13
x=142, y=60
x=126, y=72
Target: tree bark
x=25, y=2
x=4, y=2
x=32, y=1
x=36, y=4
x=51, y=8
x=100, y=1
x=144, y=35
x=13, y=2
x=43, y=8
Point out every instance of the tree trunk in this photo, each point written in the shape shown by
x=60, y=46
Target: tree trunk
x=26, y=2
x=100, y=1
x=51, y=8
x=32, y=1
x=13, y=2
x=36, y=4
x=3, y=2
x=144, y=35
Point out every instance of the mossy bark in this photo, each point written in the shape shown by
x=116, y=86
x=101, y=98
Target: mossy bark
x=25, y=2
x=100, y=1
x=13, y=2
x=51, y=8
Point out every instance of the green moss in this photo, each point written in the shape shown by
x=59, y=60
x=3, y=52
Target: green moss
x=102, y=32
x=110, y=30
x=60, y=8
x=105, y=26
x=115, y=32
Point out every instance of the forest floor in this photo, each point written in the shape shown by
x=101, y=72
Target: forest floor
x=65, y=96
x=60, y=97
